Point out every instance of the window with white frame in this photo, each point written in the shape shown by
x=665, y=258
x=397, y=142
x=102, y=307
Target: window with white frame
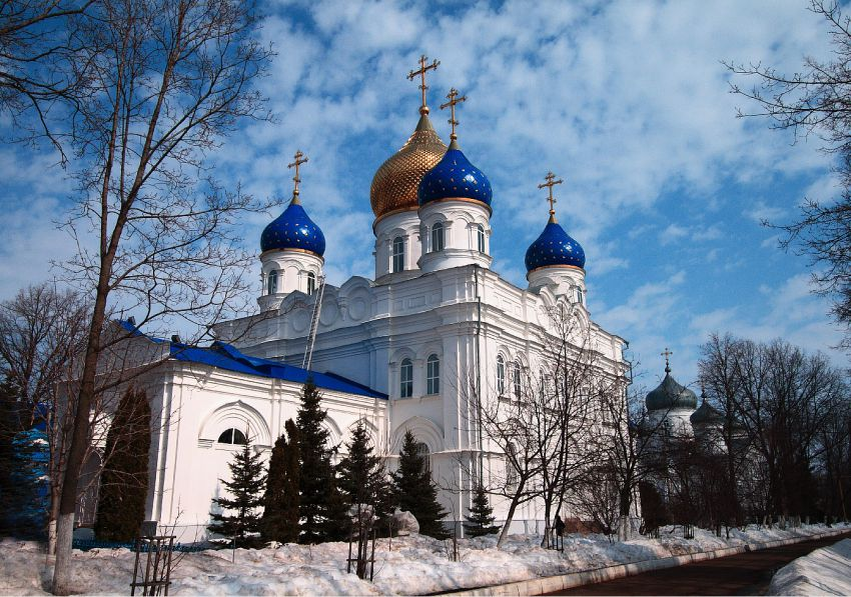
x=398, y=254
x=406, y=379
x=423, y=452
x=272, y=282
x=232, y=436
x=311, y=282
x=480, y=237
x=515, y=379
x=511, y=476
x=433, y=375
x=500, y=375
x=437, y=238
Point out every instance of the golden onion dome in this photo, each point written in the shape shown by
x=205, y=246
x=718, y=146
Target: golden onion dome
x=395, y=184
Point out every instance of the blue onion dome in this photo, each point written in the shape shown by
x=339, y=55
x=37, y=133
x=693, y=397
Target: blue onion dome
x=454, y=177
x=293, y=229
x=670, y=395
x=554, y=247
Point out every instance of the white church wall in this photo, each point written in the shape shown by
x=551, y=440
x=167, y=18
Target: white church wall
x=204, y=402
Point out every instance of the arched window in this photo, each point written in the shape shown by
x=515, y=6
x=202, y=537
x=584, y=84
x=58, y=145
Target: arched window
x=515, y=379
x=480, y=238
x=406, y=376
x=422, y=452
x=398, y=254
x=580, y=296
x=433, y=375
x=437, y=237
x=500, y=375
x=272, y=282
x=232, y=436
x=311, y=282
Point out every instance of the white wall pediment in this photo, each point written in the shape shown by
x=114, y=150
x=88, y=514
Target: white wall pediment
x=237, y=415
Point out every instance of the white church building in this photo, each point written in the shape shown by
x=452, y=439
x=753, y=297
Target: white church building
x=404, y=351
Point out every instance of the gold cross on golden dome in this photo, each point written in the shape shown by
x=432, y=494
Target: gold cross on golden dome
x=422, y=73
x=454, y=100
x=551, y=182
x=298, y=162
x=667, y=354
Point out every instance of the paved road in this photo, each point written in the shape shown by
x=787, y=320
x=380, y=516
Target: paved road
x=742, y=574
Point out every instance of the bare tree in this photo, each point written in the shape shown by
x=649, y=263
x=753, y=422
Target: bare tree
x=42, y=331
x=627, y=452
x=42, y=337
x=815, y=101
x=167, y=80
x=543, y=424
x=780, y=402
x=39, y=63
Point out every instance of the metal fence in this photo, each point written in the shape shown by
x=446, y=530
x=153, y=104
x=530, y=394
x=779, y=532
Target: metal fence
x=86, y=545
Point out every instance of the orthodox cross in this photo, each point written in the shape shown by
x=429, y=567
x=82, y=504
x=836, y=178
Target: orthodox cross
x=422, y=74
x=454, y=100
x=551, y=182
x=667, y=354
x=298, y=162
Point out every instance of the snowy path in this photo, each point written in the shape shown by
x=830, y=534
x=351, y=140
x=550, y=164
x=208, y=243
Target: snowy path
x=414, y=565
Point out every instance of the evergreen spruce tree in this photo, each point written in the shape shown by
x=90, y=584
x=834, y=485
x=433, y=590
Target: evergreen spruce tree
x=416, y=492
x=242, y=524
x=480, y=520
x=321, y=508
x=23, y=468
x=280, y=517
x=362, y=477
x=124, y=480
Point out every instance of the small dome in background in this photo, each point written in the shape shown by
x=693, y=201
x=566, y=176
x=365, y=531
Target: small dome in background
x=706, y=414
x=670, y=395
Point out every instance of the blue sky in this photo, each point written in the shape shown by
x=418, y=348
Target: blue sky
x=628, y=102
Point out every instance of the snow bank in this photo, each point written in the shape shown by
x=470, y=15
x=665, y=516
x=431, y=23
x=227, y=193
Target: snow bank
x=826, y=571
x=407, y=566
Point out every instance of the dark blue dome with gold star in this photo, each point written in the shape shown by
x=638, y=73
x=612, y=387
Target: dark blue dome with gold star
x=293, y=230
x=554, y=247
x=454, y=177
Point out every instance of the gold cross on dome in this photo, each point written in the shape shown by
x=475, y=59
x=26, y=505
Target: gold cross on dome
x=454, y=100
x=298, y=162
x=551, y=182
x=667, y=354
x=422, y=74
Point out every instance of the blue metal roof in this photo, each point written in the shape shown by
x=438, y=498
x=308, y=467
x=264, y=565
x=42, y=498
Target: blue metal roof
x=227, y=357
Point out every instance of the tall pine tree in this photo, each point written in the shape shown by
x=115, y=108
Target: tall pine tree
x=124, y=480
x=321, y=507
x=480, y=520
x=362, y=477
x=22, y=509
x=242, y=523
x=280, y=518
x=416, y=492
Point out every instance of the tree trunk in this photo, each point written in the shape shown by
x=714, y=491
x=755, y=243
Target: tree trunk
x=79, y=441
x=503, y=535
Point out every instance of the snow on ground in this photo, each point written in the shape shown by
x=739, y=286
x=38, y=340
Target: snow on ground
x=407, y=566
x=826, y=571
